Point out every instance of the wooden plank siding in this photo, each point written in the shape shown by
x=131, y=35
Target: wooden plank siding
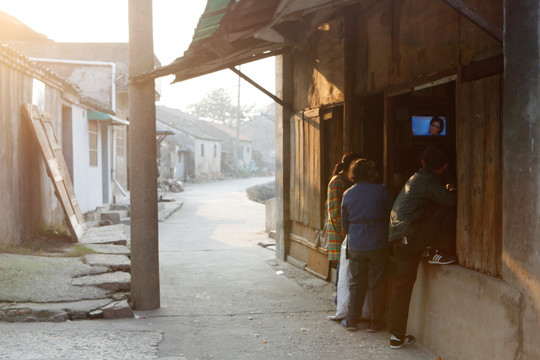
x=479, y=168
x=405, y=56
x=306, y=189
x=28, y=204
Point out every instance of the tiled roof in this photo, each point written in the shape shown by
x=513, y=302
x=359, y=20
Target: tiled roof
x=183, y=122
x=234, y=32
x=226, y=132
x=18, y=61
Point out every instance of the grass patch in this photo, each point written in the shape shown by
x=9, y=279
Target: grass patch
x=78, y=250
x=48, y=246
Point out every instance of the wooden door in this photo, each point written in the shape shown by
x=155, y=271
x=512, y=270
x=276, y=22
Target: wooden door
x=56, y=169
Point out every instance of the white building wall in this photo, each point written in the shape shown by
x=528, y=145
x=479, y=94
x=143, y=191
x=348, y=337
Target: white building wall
x=207, y=161
x=87, y=180
x=215, y=164
x=180, y=171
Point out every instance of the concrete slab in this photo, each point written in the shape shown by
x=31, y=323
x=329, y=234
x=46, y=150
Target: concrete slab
x=109, y=249
x=75, y=310
x=47, y=342
x=117, y=310
x=117, y=281
x=113, y=262
x=112, y=234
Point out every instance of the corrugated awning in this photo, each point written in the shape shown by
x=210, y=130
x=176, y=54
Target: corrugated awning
x=233, y=32
x=101, y=116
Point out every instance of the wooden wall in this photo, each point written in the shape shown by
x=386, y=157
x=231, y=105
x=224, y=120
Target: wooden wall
x=28, y=204
x=318, y=69
x=306, y=184
x=406, y=42
x=400, y=45
x=312, y=161
x=479, y=169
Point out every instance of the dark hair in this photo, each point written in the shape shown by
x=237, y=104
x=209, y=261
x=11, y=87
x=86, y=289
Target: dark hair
x=346, y=161
x=434, y=157
x=363, y=170
x=440, y=121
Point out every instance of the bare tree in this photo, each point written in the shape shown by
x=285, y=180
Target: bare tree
x=218, y=106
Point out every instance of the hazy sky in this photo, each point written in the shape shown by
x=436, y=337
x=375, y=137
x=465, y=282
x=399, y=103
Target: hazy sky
x=174, y=24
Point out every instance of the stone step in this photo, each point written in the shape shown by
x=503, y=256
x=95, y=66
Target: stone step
x=109, y=249
x=113, y=262
x=117, y=207
x=117, y=281
x=114, y=216
x=111, y=234
x=62, y=311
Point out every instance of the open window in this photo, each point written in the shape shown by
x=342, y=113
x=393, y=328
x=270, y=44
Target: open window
x=422, y=118
x=473, y=143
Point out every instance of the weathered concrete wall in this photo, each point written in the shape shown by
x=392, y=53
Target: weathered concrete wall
x=262, y=131
x=462, y=314
x=94, y=81
x=167, y=160
x=246, y=153
x=521, y=164
x=207, y=165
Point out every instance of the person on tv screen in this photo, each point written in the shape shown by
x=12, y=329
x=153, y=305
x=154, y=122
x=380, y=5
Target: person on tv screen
x=436, y=126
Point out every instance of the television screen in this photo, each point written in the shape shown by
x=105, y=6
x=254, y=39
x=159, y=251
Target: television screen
x=429, y=125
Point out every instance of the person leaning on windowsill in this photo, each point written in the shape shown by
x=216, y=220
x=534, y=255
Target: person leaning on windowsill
x=423, y=215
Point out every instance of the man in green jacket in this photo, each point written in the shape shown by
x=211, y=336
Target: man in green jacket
x=423, y=215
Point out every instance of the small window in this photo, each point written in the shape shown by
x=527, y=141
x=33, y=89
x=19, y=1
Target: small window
x=215, y=150
x=202, y=150
x=93, y=142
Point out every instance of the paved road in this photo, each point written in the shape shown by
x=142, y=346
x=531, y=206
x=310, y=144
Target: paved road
x=222, y=297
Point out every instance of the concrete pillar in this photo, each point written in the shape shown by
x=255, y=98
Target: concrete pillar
x=521, y=164
x=142, y=161
x=284, y=90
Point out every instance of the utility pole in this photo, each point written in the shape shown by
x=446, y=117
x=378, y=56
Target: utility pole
x=142, y=161
x=237, y=145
